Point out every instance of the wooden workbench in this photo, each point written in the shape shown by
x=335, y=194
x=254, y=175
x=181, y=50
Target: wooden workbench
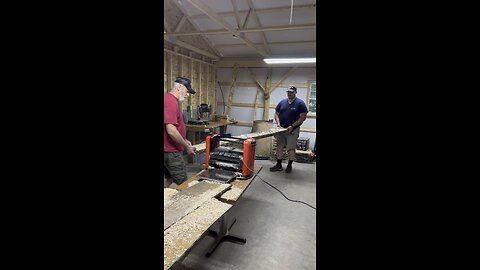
x=181, y=236
x=197, y=133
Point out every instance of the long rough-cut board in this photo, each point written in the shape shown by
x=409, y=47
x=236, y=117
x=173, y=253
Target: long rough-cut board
x=202, y=146
x=262, y=134
x=257, y=135
x=182, y=235
x=186, y=201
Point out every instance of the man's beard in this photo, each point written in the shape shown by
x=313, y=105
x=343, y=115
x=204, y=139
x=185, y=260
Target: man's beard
x=181, y=98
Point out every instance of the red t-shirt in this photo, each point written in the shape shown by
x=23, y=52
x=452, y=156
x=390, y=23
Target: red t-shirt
x=172, y=115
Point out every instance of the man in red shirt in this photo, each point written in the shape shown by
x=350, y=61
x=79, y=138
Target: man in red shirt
x=174, y=134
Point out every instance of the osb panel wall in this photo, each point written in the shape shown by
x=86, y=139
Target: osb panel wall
x=180, y=62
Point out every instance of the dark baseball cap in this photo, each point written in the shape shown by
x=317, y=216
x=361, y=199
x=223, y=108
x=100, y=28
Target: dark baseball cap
x=292, y=89
x=186, y=82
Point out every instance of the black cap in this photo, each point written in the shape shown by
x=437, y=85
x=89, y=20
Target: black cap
x=292, y=88
x=186, y=82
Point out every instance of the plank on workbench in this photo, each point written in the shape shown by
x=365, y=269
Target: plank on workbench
x=238, y=188
x=186, y=201
x=181, y=236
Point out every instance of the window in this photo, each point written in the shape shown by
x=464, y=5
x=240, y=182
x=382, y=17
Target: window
x=312, y=97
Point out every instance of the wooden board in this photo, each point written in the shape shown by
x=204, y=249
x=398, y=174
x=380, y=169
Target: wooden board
x=238, y=188
x=167, y=195
x=262, y=134
x=186, y=201
x=257, y=135
x=181, y=236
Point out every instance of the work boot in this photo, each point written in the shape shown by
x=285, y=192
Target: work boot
x=277, y=167
x=288, y=169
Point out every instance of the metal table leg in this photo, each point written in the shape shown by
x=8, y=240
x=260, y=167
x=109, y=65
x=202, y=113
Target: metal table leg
x=224, y=235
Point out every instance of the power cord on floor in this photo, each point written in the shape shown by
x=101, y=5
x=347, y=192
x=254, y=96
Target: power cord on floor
x=277, y=188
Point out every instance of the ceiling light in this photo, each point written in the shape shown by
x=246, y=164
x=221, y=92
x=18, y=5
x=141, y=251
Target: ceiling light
x=289, y=60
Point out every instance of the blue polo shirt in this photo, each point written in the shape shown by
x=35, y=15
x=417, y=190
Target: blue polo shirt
x=289, y=113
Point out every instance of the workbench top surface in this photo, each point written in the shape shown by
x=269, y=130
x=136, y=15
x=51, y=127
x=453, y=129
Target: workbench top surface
x=181, y=236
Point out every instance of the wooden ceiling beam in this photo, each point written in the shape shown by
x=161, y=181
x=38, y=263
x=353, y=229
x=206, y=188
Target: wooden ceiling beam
x=257, y=21
x=248, y=30
x=180, y=24
x=235, y=10
x=166, y=26
x=205, y=9
x=270, y=43
x=185, y=14
x=258, y=11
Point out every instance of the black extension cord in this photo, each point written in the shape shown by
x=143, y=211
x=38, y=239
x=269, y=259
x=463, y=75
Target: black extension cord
x=278, y=189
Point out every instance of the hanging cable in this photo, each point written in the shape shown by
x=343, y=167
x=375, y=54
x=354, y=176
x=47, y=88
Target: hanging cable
x=291, y=12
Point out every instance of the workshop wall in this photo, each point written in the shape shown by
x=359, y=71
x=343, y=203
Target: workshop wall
x=178, y=61
x=245, y=96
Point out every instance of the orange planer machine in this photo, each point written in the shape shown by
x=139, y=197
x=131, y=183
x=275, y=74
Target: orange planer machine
x=227, y=163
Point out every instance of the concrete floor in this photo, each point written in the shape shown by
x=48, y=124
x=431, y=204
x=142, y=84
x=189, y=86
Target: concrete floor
x=280, y=234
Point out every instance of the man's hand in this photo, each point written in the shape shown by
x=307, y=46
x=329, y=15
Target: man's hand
x=290, y=129
x=191, y=150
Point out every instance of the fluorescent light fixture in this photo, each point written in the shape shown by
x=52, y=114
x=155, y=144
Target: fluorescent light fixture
x=289, y=60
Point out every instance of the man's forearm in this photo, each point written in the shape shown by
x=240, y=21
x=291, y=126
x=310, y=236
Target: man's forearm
x=277, y=120
x=298, y=122
x=175, y=135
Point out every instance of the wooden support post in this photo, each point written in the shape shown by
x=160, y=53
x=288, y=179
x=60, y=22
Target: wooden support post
x=169, y=72
x=268, y=89
x=199, y=86
x=191, y=100
x=257, y=99
x=255, y=79
x=232, y=89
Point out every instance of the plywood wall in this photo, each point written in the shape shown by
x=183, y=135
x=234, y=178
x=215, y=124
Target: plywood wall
x=178, y=61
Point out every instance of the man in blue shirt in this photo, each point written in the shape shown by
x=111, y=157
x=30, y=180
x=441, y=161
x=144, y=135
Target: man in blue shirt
x=289, y=113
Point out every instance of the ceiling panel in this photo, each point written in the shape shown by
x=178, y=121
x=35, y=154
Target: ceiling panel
x=215, y=5
x=209, y=24
x=269, y=18
x=223, y=39
x=280, y=3
x=293, y=50
x=235, y=52
x=291, y=35
x=302, y=16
